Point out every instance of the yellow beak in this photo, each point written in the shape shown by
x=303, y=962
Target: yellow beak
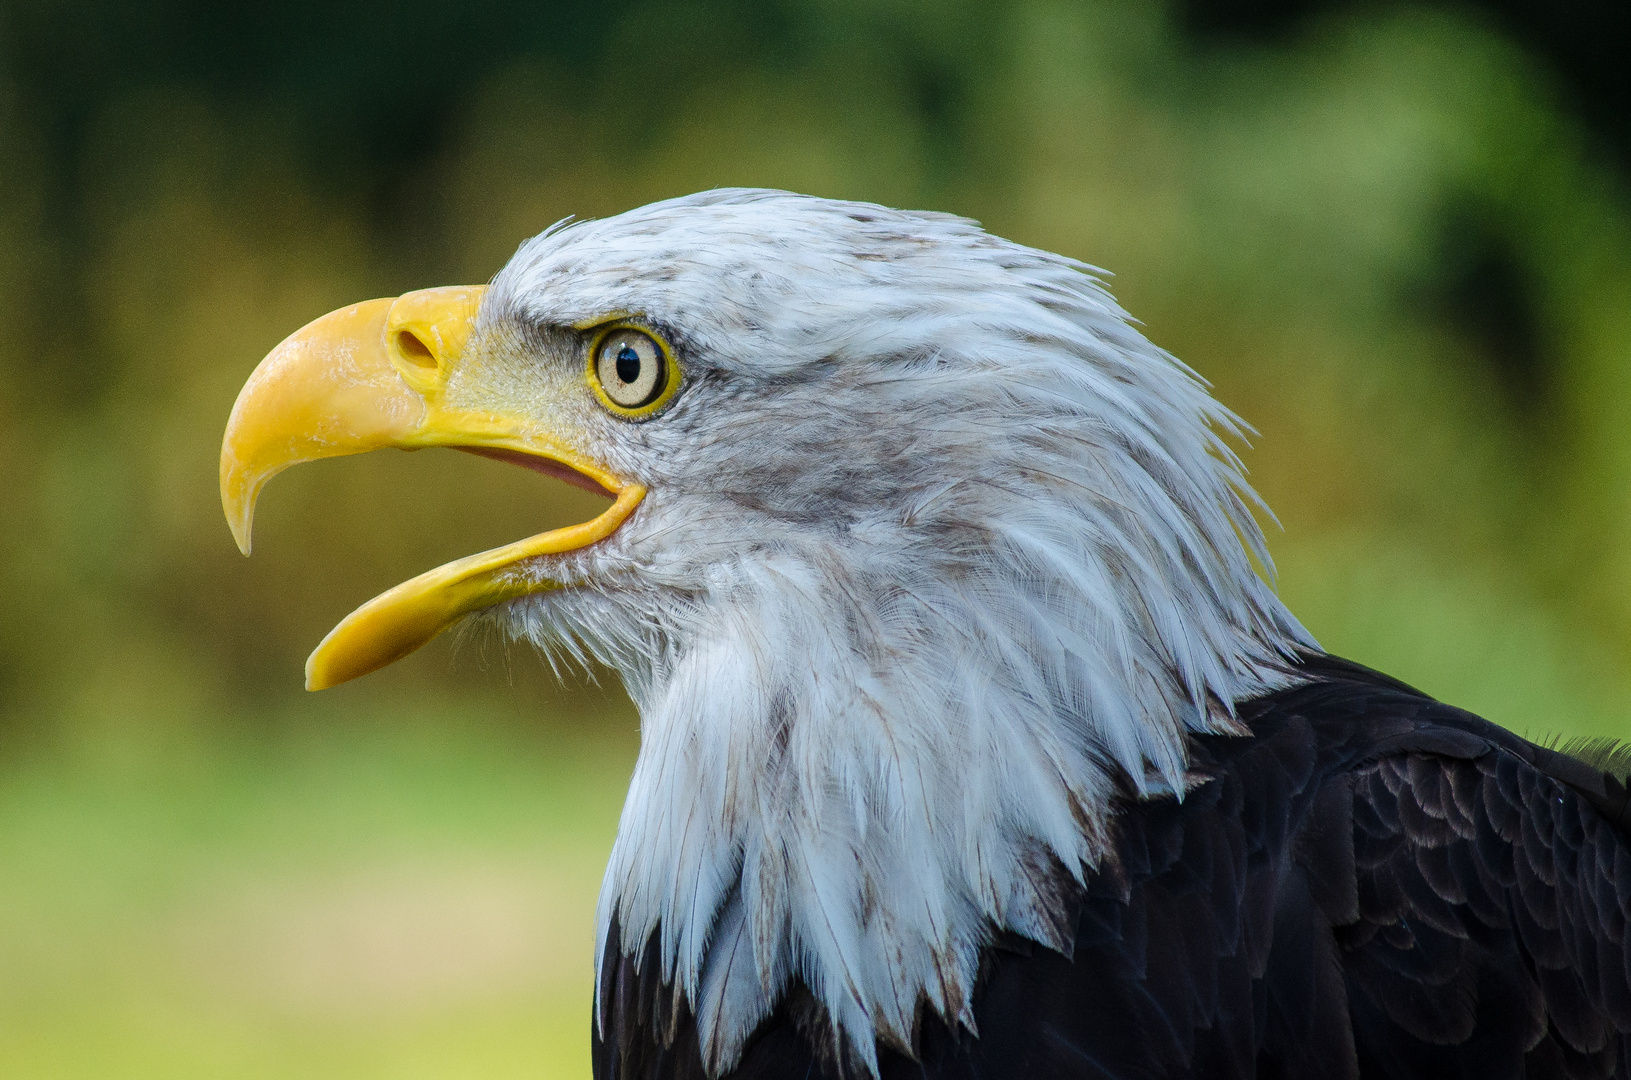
x=373, y=375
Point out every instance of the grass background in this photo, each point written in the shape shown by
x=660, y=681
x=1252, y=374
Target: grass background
x=404, y=894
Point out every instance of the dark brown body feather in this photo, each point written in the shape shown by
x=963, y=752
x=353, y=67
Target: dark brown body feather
x=1374, y=884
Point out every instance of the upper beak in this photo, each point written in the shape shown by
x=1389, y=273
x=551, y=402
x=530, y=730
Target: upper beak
x=373, y=375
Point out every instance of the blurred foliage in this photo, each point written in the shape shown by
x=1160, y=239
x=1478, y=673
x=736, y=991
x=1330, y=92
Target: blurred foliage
x=1383, y=235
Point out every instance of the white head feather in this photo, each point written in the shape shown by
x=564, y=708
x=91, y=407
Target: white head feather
x=939, y=555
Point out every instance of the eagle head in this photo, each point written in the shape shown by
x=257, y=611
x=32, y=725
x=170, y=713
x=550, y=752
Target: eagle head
x=919, y=557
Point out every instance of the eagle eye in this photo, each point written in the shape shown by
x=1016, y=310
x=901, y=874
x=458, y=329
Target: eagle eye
x=631, y=371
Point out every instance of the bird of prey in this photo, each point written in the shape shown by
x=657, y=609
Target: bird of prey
x=972, y=742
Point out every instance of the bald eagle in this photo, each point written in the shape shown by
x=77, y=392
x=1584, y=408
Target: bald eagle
x=972, y=743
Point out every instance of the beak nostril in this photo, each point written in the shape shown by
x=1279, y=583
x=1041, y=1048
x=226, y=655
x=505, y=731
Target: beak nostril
x=413, y=350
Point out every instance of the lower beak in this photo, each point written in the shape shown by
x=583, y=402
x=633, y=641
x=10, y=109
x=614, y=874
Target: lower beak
x=369, y=376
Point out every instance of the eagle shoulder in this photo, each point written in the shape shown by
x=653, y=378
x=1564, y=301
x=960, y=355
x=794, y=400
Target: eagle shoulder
x=1373, y=883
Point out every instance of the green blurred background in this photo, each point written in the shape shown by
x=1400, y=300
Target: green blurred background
x=1397, y=238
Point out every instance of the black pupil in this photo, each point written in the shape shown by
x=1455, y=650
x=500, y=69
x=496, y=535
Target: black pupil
x=628, y=364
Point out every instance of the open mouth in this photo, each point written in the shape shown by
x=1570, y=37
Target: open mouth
x=545, y=466
x=371, y=376
x=400, y=620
